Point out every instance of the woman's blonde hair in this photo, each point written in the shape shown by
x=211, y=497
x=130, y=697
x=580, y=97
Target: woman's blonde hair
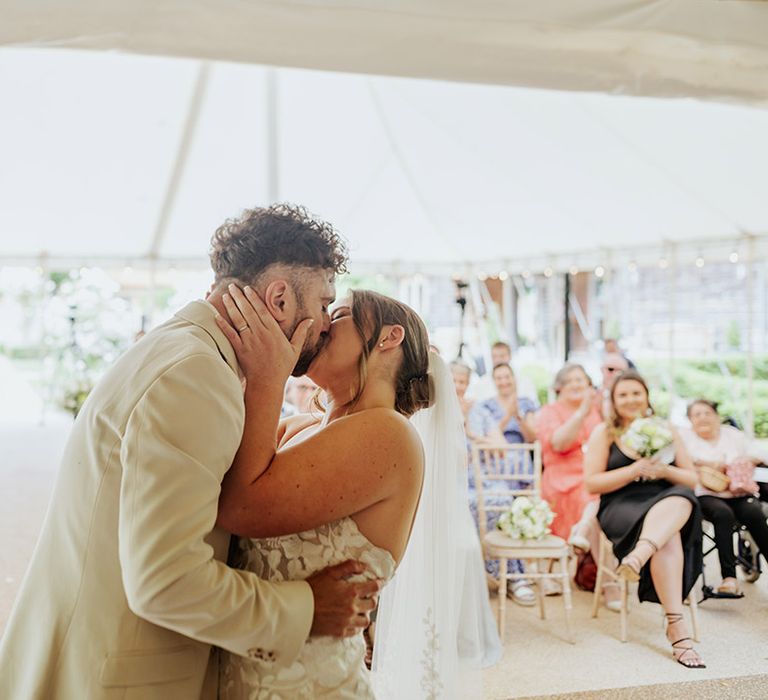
x=563, y=372
x=413, y=385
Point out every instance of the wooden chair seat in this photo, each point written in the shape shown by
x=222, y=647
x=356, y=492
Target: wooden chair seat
x=548, y=547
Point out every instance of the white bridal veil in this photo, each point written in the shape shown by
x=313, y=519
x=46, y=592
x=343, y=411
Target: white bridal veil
x=434, y=629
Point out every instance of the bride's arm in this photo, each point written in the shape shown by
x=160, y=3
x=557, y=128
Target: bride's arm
x=351, y=464
x=266, y=358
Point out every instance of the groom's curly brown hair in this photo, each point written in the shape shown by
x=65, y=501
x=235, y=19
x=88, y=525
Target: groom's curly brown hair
x=242, y=248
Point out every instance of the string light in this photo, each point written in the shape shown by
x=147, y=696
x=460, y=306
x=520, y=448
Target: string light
x=733, y=257
x=663, y=263
x=599, y=271
x=632, y=267
x=526, y=274
x=503, y=275
x=573, y=270
x=482, y=276
x=547, y=272
x=699, y=262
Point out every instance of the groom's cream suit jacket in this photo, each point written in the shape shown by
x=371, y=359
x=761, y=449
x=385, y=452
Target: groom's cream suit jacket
x=128, y=586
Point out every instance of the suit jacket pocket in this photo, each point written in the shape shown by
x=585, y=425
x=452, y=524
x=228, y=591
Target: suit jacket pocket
x=132, y=668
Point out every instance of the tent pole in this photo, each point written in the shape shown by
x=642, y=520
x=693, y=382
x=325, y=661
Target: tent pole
x=273, y=166
x=567, y=313
x=196, y=102
x=672, y=275
x=750, y=426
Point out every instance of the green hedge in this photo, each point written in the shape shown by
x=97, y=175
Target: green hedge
x=695, y=378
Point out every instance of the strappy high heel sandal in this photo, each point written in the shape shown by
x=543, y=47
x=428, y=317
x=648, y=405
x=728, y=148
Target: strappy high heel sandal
x=682, y=650
x=631, y=565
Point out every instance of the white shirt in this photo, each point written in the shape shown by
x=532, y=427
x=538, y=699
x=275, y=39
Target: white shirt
x=731, y=444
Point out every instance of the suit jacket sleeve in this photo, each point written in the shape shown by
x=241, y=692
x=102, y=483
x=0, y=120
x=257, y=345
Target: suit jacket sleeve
x=179, y=441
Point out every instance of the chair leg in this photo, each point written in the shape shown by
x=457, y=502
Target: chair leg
x=624, y=608
x=567, y=597
x=598, y=580
x=502, y=598
x=539, y=588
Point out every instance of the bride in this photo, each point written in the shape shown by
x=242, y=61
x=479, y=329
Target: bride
x=355, y=485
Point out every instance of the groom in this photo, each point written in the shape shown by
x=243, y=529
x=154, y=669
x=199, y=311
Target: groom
x=128, y=587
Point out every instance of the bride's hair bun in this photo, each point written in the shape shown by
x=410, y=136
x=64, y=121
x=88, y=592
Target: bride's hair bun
x=414, y=388
x=419, y=393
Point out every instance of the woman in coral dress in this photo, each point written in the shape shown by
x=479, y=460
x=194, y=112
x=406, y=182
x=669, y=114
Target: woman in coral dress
x=563, y=427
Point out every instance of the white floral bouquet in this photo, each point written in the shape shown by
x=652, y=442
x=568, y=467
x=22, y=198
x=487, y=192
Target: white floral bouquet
x=527, y=519
x=649, y=437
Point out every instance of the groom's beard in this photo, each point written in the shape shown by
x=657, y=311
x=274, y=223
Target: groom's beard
x=307, y=354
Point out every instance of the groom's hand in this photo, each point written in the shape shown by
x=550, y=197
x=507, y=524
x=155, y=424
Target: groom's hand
x=342, y=607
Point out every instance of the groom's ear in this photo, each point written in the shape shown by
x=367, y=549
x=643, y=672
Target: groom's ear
x=280, y=300
x=391, y=337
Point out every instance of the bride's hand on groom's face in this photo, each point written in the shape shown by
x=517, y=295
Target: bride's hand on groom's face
x=342, y=607
x=263, y=351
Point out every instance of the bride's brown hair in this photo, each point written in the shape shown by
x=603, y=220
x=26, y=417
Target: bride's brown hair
x=413, y=385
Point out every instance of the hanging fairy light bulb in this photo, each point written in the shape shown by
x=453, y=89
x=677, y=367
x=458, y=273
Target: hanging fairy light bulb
x=632, y=267
x=526, y=274
x=663, y=263
x=548, y=271
x=573, y=270
x=503, y=275
x=599, y=271
x=733, y=257
x=699, y=262
x=482, y=276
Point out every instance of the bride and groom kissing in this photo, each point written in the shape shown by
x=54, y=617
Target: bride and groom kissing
x=196, y=546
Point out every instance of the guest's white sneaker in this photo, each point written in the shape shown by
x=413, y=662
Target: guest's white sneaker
x=578, y=541
x=612, y=596
x=521, y=593
x=551, y=586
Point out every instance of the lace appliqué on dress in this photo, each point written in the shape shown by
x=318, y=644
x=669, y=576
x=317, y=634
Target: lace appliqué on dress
x=326, y=666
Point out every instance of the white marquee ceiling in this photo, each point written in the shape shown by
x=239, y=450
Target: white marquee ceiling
x=123, y=157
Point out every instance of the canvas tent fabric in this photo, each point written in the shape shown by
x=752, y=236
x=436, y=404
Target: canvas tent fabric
x=695, y=48
x=112, y=157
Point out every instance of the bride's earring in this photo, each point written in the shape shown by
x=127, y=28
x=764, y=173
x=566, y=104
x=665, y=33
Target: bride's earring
x=381, y=344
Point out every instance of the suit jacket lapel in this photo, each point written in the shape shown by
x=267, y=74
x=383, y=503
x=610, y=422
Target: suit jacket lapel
x=201, y=314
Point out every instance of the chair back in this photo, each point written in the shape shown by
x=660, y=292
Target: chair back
x=502, y=471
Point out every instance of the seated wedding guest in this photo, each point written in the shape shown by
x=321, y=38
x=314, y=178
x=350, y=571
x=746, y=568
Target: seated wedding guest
x=611, y=346
x=462, y=375
x=299, y=393
x=649, y=512
x=504, y=417
x=511, y=412
x=613, y=363
x=716, y=446
x=501, y=354
x=563, y=428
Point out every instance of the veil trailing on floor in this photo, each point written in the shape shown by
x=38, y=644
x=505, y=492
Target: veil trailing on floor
x=434, y=629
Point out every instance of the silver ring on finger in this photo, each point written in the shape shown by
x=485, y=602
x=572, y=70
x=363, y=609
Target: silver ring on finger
x=243, y=328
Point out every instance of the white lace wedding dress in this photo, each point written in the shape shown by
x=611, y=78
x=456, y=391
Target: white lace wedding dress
x=326, y=667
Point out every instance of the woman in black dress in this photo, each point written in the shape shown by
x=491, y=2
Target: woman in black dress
x=649, y=512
